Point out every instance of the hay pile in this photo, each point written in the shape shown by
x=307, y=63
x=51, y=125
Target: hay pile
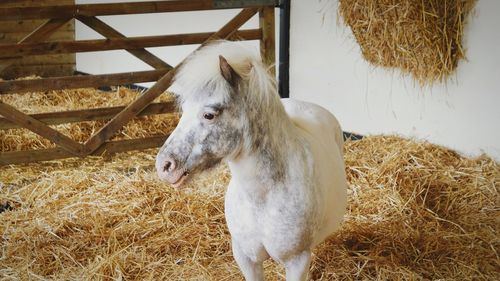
x=416, y=212
x=422, y=38
x=75, y=99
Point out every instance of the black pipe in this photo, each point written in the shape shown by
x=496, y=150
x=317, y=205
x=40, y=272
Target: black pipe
x=284, y=50
x=351, y=136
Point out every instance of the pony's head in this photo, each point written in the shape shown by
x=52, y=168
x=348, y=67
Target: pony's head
x=217, y=88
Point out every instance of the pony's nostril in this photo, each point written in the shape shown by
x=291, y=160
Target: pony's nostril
x=167, y=166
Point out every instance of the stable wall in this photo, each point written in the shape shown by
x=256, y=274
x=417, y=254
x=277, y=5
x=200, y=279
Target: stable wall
x=326, y=67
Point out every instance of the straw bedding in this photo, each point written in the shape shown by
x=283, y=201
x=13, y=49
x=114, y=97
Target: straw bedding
x=422, y=38
x=416, y=211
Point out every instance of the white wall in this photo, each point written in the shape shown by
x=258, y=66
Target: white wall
x=326, y=67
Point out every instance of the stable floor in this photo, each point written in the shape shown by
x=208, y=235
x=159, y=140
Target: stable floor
x=416, y=212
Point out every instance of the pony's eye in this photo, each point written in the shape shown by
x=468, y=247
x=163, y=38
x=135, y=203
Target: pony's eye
x=208, y=116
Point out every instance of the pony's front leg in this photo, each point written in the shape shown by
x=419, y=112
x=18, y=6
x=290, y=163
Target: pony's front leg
x=252, y=270
x=297, y=267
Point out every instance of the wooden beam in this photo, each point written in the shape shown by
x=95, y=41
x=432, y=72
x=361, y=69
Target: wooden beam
x=34, y=3
x=232, y=4
x=15, y=37
x=40, y=33
x=75, y=82
x=267, y=42
x=231, y=27
x=94, y=114
x=46, y=60
x=44, y=70
x=90, y=10
x=131, y=44
x=18, y=157
x=27, y=26
x=133, y=144
x=41, y=129
x=44, y=30
x=109, y=32
x=103, y=9
x=106, y=132
x=129, y=112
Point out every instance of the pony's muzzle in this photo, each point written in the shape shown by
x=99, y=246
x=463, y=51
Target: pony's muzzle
x=168, y=170
x=165, y=166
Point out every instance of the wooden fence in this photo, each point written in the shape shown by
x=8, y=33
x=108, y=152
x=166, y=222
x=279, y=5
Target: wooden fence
x=99, y=142
x=13, y=31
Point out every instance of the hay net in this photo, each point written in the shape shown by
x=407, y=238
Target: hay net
x=421, y=38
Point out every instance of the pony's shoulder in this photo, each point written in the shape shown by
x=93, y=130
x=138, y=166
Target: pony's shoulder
x=314, y=119
x=297, y=109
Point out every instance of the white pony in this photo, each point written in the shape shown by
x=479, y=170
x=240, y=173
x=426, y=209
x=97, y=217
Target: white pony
x=288, y=187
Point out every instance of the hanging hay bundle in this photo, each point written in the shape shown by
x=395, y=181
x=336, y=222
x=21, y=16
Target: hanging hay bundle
x=416, y=212
x=422, y=38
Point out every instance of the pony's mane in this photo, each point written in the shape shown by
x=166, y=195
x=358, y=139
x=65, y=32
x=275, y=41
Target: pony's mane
x=201, y=70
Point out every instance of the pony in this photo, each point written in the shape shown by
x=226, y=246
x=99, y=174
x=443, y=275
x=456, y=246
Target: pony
x=288, y=186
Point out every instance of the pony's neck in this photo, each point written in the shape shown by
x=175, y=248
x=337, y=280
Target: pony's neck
x=269, y=141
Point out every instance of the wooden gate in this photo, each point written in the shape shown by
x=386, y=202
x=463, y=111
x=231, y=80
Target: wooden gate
x=99, y=142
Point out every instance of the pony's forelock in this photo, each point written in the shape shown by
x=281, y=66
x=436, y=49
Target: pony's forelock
x=201, y=72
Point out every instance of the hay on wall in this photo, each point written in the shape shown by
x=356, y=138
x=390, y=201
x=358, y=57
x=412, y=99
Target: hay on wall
x=421, y=38
x=416, y=212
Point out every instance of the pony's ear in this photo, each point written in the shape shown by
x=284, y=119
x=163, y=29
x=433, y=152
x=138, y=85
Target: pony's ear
x=228, y=72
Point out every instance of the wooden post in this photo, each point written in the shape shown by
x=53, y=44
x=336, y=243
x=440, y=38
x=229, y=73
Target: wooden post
x=267, y=49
